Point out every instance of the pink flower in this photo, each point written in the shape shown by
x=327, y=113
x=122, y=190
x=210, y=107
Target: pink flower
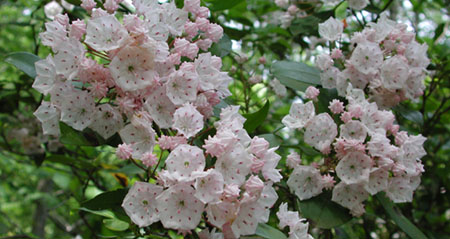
x=346, y=117
x=259, y=146
x=171, y=142
x=214, y=32
x=336, y=53
x=336, y=106
x=312, y=93
x=254, y=186
x=77, y=29
x=124, y=151
x=88, y=5
x=328, y=181
x=293, y=160
x=149, y=159
x=231, y=192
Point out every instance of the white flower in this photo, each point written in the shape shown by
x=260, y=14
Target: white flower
x=350, y=196
x=208, y=186
x=48, y=114
x=77, y=110
x=234, y=165
x=105, y=33
x=321, y=132
x=187, y=120
x=299, y=115
x=394, y=72
x=353, y=130
x=141, y=139
x=378, y=181
x=52, y=9
x=354, y=167
x=357, y=4
x=306, y=182
x=160, y=107
x=140, y=203
x=331, y=29
x=132, y=68
x=183, y=161
x=178, y=207
x=45, y=75
x=280, y=90
x=106, y=121
x=367, y=58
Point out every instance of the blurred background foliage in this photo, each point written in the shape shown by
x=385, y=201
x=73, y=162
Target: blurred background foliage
x=52, y=188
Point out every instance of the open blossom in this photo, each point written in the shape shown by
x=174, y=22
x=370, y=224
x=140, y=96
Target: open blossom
x=187, y=120
x=331, y=29
x=299, y=115
x=140, y=203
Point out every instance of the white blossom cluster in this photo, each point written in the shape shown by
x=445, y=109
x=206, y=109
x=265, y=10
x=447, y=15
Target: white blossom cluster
x=236, y=193
x=292, y=11
x=386, y=61
x=119, y=73
x=363, y=149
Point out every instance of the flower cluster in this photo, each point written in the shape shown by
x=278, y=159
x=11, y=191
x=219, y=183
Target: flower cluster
x=292, y=8
x=150, y=66
x=386, y=62
x=370, y=154
x=236, y=192
x=298, y=228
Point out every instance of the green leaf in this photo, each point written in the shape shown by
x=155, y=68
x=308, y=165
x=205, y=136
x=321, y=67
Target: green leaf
x=106, y=200
x=72, y=136
x=394, y=213
x=68, y=161
x=223, y=47
x=103, y=213
x=308, y=25
x=256, y=119
x=115, y=224
x=24, y=61
x=438, y=32
x=341, y=11
x=218, y=5
x=266, y=231
x=324, y=212
x=296, y=75
x=411, y=115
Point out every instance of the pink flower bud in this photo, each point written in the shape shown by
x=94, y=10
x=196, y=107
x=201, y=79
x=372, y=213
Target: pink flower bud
x=214, y=32
x=204, y=44
x=254, y=185
x=149, y=159
x=259, y=146
x=293, y=160
x=77, y=29
x=336, y=106
x=231, y=192
x=124, y=151
x=312, y=93
x=88, y=5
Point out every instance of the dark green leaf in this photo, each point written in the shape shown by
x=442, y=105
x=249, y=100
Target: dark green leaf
x=324, y=212
x=341, y=11
x=438, y=31
x=325, y=97
x=256, y=119
x=106, y=200
x=24, y=61
x=103, y=213
x=308, y=25
x=266, y=231
x=72, y=136
x=295, y=75
x=407, y=226
x=223, y=47
x=218, y=5
x=115, y=224
x=411, y=115
x=68, y=161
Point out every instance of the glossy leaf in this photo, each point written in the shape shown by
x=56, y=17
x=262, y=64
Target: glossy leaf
x=256, y=119
x=116, y=224
x=218, y=5
x=106, y=200
x=296, y=75
x=273, y=140
x=72, y=136
x=24, y=61
x=324, y=212
x=223, y=47
x=400, y=220
x=266, y=231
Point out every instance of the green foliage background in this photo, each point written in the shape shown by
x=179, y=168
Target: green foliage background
x=60, y=193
